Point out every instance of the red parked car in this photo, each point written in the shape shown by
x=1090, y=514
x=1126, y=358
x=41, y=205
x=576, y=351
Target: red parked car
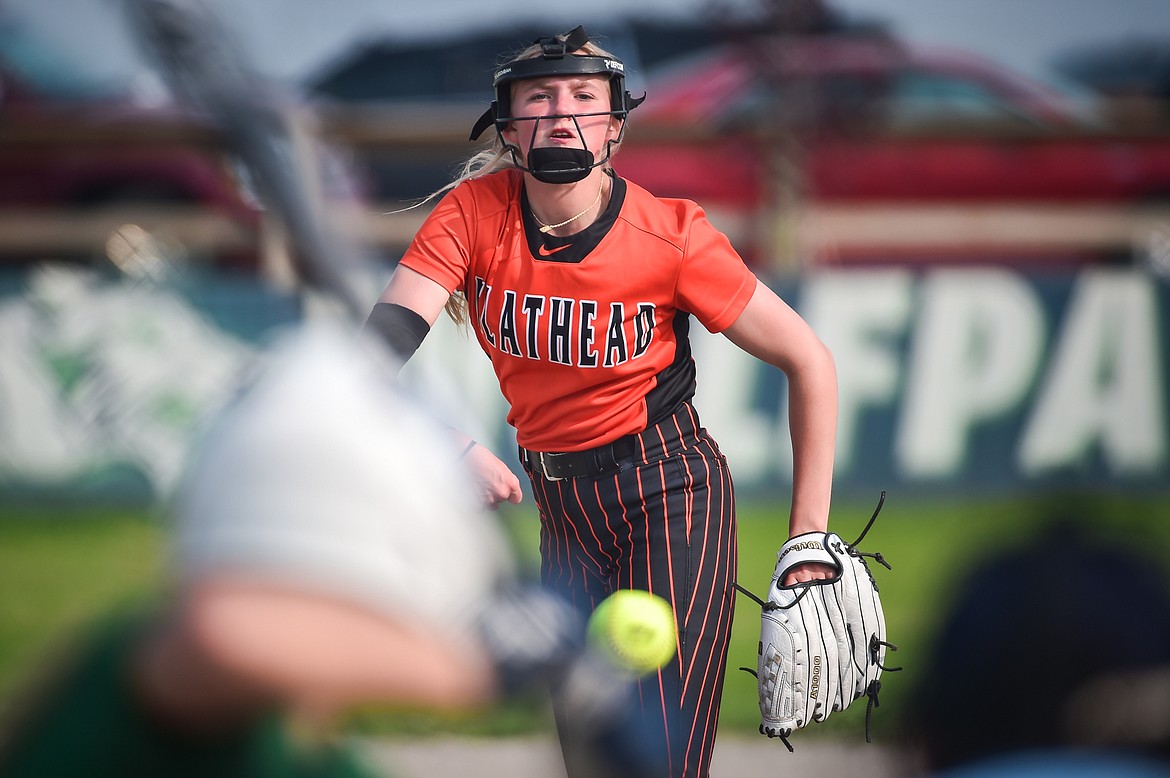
x=866, y=123
x=71, y=151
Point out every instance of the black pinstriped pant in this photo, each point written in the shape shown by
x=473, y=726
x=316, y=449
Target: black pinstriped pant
x=663, y=522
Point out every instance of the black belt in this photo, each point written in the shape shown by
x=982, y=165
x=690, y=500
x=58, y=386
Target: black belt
x=582, y=464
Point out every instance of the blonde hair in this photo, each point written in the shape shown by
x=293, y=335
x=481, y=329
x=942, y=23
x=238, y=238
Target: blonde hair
x=496, y=157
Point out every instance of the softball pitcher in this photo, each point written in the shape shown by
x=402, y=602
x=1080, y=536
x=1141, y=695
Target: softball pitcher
x=580, y=287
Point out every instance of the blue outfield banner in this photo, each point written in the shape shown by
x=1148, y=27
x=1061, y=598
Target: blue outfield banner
x=987, y=379
x=954, y=380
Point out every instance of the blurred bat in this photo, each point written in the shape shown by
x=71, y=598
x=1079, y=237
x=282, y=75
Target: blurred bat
x=266, y=128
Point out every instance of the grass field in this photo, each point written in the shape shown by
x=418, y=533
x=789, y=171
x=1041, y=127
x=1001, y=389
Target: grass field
x=61, y=569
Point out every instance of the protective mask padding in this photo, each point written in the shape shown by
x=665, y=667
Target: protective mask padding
x=560, y=165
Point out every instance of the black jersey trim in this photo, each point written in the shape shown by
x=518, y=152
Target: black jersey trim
x=572, y=248
x=677, y=381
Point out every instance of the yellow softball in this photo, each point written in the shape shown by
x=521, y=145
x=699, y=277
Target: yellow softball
x=635, y=629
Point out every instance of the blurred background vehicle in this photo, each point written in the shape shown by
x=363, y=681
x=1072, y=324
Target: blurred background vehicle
x=820, y=133
x=72, y=145
x=848, y=80
x=812, y=136
x=802, y=138
x=90, y=163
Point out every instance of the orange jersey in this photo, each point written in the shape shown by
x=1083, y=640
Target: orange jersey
x=587, y=334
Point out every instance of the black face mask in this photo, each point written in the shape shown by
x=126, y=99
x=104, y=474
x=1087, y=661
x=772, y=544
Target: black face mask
x=560, y=165
x=557, y=164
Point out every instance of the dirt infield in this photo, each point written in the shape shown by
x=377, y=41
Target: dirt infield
x=539, y=757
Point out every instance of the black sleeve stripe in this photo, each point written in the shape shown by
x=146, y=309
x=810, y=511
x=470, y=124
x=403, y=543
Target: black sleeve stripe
x=399, y=327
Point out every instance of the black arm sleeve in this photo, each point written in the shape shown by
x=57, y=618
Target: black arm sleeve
x=399, y=327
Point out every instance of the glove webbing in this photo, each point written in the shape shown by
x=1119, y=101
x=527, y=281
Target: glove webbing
x=783, y=733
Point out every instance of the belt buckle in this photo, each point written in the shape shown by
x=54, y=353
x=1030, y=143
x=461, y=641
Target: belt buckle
x=544, y=468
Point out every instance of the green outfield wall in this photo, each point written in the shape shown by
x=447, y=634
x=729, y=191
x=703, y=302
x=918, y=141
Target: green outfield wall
x=980, y=379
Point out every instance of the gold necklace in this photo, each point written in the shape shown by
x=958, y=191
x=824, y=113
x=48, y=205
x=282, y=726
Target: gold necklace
x=544, y=228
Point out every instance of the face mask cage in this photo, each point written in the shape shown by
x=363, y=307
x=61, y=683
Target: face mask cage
x=558, y=165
